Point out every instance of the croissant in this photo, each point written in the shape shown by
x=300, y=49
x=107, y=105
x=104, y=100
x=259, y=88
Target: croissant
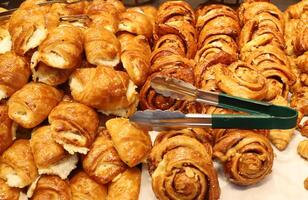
x=62, y=48
x=54, y=161
x=104, y=20
x=306, y=183
x=14, y=73
x=50, y=188
x=110, y=91
x=126, y=186
x=181, y=168
x=247, y=156
x=5, y=40
x=302, y=149
x=102, y=47
x=289, y=36
x=17, y=165
x=299, y=100
x=302, y=62
x=63, y=9
x=100, y=6
x=84, y=188
x=75, y=126
x=7, y=192
x=7, y=129
x=303, y=127
x=131, y=142
x=149, y=11
x=301, y=39
x=31, y=105
x=296, y=11
x=103, y=163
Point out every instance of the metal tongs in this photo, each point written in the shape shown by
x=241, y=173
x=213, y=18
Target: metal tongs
x=260, y=115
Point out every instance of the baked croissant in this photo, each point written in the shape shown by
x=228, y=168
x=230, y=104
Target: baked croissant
x=182, y=168
x=103, y=163
x=64, y=9
x=247, y=156
x=101, y=6
x=50, y=188
x=14, y=73
x=104, y=20
x=102, y=47
x=296, y=11
x=135, y=58
x=105, y=89
x=31, y=105
x=302, y=62
x=302, y=149
x=149, y=11
x=62, y=48
x=241, y=79
x=7, y=192
x=75, y=126
x=303, y=127
x=54, y=161
x=84, y=188
x=301, y=39
x=131, y=142
x=17, y=165
x=299, y=100
x=7, y=129
x=5, y=40
x=126, y=186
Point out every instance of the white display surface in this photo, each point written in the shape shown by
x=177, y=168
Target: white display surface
x=286, y=182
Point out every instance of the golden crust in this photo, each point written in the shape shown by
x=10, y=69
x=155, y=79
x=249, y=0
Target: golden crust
x=299, y=100
x=7, y=192
x=7, y=129
x=302, y=149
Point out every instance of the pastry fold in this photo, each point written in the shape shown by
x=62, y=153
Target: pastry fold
x=126, y=186
x=31, y=105
x=7, y=129
x=84, y=188
x=103, y=163
x=247, y=156
x=131, y=142
x=109, y=91
x=7, y=192
x=169, y=44
x=75, y=126
x=14, y=74
x=17, y=166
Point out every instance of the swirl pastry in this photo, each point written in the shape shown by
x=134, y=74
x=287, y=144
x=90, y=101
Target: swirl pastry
x=14, y=73
x=103, y=163
x=7, y=129
x=54, y=161
x=135, y=58
x=17, y=165
x=131, y=142
x=102, y=47
x=5, y=40
x=109, y=91
x=7, y=192
x=62, y=48
x=169, y=44
x=241, y=79
x=302, y=149
x=181, y=168
x=50, y=187
x=126, y=186
x=75, y=126
x=31, y=105
x=84, y=188
x=299, y=100
x=251, y=158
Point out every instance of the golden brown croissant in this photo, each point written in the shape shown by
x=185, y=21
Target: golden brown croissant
x=126, y=186
x=102, y=47
x=296, y=11
x=299, y=100
x=63, y=9
x=181, y=168
x=109, y=91
x=7, y=192
x=303, y=128
x=101, y=6
x=62, y=48
x=241, y=79
x=51, y=188
x=103, y=163
x=247, y=156
x=75, y=126
x=149, y=11
x=5, y=40
x=54, y=161
x=31, y=105
x=135, y=58
x=84, y=188
x=302, y=149
x=14, y=73
x=17, y=165
x=7, y=129
x=301, y=39
x=104, y=20
x=131, y=142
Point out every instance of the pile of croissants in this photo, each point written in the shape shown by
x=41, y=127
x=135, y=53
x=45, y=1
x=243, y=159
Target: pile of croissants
x=72, y=74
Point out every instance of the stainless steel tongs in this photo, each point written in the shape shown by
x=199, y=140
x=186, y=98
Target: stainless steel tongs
x=260, y=115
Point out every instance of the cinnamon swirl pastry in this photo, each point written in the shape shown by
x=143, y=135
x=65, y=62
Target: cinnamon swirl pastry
x=102, y=163
x=181, y=168
x=14, y=74
x=251, y=159
x=17, y=165
x=109, y=91
x=62, y=48
x=102, y=47
x=131, y=141
x=75, y=126
x=7, y=192
x=7, y=129
x=54, y=161
x=31, y=105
